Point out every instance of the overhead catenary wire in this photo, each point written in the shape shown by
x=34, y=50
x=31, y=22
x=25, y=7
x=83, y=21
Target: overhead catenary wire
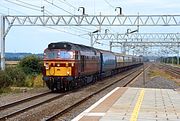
x=23, y=5
x=79, y=28
x=39, y=10
x=28, y=4
x=67, y=3
x=68, y=32
x=32, y=5
x=70, y=5
x=11, y=9
x=75, y=8
x=57, y=6
x=109, y=4
x=52, y=3
x=46, y=11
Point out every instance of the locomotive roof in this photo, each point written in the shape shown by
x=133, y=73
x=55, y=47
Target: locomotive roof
x=70, y=46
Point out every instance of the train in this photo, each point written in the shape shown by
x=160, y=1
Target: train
x=69, y=65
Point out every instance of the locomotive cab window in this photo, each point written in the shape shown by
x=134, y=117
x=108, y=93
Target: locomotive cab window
x=65, y=54
x=59, y=54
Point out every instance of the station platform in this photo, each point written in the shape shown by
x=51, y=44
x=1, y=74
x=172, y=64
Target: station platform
x=135, y=104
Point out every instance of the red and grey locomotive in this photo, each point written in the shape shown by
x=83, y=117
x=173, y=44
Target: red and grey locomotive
x=68, y=65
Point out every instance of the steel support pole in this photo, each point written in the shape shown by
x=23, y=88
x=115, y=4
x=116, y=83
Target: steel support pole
x=2, y=43
x=110, y=46
x=178, y=54
x=91, y=36
x=124, y=48
x=144, y=75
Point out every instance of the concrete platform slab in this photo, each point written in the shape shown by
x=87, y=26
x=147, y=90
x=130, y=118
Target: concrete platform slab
x=135, y=104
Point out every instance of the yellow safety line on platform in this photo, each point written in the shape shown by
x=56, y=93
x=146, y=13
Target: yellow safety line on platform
x=134, y=115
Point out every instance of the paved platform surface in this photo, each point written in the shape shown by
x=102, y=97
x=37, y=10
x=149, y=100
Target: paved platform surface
x=135, y=104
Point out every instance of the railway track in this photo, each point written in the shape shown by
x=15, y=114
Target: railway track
x=15, y=108
x=76, y=104
x=23, y=101
x=175, y=71
x=21, y=106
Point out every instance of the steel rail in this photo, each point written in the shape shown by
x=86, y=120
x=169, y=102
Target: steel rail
x=12, y=114
x=172, y=70
x=22, y=101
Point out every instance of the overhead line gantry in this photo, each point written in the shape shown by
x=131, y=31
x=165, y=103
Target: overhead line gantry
x=8, y=21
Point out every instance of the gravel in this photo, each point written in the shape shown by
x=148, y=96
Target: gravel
x=12, y=97
x=162, y=83
x=154, y=82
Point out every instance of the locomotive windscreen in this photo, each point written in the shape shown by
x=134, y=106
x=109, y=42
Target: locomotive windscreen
x=60, y=45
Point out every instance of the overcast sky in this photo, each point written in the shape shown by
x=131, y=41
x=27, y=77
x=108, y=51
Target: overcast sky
x=36, y=39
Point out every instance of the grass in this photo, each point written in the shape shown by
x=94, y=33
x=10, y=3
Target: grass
x=12, y=62
x=38, y=82
x=35, y=81
x=31, y=83
x=157, y=72
x=5, y=90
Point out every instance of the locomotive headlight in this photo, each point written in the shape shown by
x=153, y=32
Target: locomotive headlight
x=45, y=55
x=47, y=66
x=68, y=73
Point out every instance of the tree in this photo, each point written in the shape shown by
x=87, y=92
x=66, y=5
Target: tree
x=31, y=65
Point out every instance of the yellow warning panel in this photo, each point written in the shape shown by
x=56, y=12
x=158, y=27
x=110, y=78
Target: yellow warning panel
x=59, y=71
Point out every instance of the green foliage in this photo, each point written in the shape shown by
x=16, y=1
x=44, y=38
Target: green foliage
x=31, y=65
x=16, y=76
x=25, y=74
x=170, y=60
x=12, y=76
x=5, y=90
x=4, y=80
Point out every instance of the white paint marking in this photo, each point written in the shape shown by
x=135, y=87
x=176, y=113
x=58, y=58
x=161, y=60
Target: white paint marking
x=77, y=118
x=95, y=114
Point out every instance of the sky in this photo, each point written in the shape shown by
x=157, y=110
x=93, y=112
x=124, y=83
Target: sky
x=36, y=39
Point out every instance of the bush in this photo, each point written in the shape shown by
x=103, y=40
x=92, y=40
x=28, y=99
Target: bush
x=22, y=75
x=16, y=76
x=4, y=80
x=31, y=65
x=12, y=76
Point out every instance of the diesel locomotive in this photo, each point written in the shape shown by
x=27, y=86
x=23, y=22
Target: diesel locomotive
x=69, y=65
